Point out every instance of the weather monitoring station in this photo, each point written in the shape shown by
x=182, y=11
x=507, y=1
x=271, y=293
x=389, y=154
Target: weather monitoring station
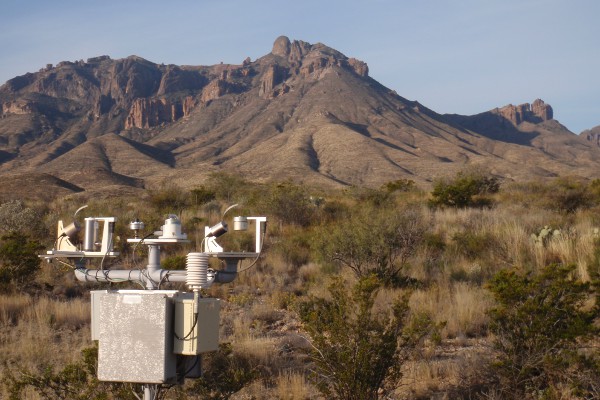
x=152, y=336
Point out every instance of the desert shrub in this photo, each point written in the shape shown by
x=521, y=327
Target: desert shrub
x=16, y=217
x=372, y=197
x=174, y=262
x=202, y=195
x=18, y=258
x=466, y=189
x=76, y=381
x=170, y=199
x=373, y=240
x=539, y=323
x=289, y=203
x=224, y=373
x=356, y=350
x=331, y=210
x=295, y=247
x=569, y=195
x=473, y=245
x=227, y=187
x=400, y=185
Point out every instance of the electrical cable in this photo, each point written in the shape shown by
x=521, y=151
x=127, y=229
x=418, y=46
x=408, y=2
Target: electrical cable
x=191, y=330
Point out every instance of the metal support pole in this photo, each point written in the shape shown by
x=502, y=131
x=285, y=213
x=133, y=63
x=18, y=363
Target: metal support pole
x=149, y=392
x=153, y=264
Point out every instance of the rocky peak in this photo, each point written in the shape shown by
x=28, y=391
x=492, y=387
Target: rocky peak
x=536, y=112
x=542, y=110
x=281, y=47
x=305, y=59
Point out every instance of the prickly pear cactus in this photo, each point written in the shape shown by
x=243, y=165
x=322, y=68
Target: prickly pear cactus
x=545, y=235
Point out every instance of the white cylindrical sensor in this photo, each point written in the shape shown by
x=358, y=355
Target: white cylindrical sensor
x=240, y=223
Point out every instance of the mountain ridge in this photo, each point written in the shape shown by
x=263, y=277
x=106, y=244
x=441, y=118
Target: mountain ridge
x=303, y=111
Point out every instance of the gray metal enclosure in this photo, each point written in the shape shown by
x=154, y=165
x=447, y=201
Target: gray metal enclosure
x=135, y=333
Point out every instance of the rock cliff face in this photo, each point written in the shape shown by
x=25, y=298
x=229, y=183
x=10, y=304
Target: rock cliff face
x=274, y=75
x=148, y=113
x=18, y=107
x=536, y=112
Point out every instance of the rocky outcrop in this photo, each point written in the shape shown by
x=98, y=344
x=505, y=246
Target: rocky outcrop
x=274, y=75
x=542, y=110
x=17, y=107
x=536, y=112
x=360, y=67
x=307, y=59
x=176, y=79
x=147, y=113
x=593, y=135
x=214, y=90
x=281, y=46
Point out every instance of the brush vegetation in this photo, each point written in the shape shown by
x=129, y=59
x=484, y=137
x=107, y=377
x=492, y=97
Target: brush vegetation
x=477, y=289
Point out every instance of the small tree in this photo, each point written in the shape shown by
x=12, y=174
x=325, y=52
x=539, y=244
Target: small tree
x=18, y=258
x=378, y=241
x=539, y=323
x=467, y=189
x=356, y=350
x=289, y=203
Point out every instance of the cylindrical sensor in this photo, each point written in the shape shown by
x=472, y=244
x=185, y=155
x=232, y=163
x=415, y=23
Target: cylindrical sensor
x=91, y=233
x=217, y=230
x=71, y=229
x=240, y=223
x=136, y=225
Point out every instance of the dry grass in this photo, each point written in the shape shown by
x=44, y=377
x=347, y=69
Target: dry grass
x=39, y=332
x=444, y=371
x=293, y=386
x=462, y=306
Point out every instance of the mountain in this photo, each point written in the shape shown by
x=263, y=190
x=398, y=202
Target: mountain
x=304, y=112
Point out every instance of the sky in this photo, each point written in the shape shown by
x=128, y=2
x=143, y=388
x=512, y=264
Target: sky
x=453, y=56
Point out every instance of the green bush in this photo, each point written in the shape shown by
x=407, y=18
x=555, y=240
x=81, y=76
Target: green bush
x=473, y=245
x=400, y=185
x=570, y=195
x=539, y=323
x=357, y=351
x=373, y=240
x=289, y=203
x=202, y=195
x=224, y=373
x=174, y=262
x=467, y=189
x=18, y=258
x=16, y=217
x=170, y=199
